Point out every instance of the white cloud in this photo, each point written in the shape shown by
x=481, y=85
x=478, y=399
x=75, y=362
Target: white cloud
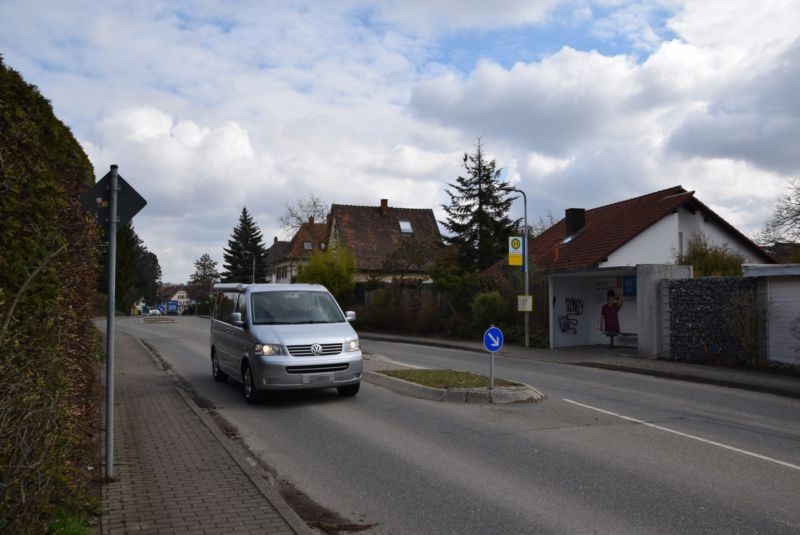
x=425, y=16
x=568, y=98
x=756, y=27
x=210, y=107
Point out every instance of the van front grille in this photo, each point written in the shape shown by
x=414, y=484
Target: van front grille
x=309, y=350
x=320, y=368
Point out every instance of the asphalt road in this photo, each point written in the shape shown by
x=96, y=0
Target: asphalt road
x=607, y=452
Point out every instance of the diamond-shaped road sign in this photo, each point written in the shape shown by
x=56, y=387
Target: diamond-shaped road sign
x=97, y=200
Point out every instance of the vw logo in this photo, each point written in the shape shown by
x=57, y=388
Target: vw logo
x=316, y=349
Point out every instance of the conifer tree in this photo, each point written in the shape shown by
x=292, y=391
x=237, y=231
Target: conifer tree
x=245, y=241
x=477, y=214
x=204, y=276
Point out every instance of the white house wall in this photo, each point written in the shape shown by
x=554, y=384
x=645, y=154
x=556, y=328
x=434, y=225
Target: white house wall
x=690, y=224
x=656, y=245
x=784, y=310
x=662, y=242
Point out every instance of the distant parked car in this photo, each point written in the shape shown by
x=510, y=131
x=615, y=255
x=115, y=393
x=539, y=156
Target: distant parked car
x=154, y=312
x=283, y=337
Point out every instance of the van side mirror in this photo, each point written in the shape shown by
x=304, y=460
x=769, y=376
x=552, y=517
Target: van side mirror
x=236, y=318
x=350, y=315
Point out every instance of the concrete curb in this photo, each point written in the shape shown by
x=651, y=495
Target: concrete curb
x=264, y=482
x=679, y=376
x=665, y=374
x=432, y=343
x=157, y=319
x=501, y=395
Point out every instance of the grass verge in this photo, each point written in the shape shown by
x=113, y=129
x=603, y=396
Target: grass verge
x=446, y=379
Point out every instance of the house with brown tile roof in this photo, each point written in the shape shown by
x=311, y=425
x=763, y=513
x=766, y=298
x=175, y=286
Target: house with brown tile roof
x=625, y=249
x=374, y=233
x=175, y=292
x=309, y=238
x=274, y=255
x=651, y=229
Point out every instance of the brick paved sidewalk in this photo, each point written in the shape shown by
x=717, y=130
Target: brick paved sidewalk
x=172, y=472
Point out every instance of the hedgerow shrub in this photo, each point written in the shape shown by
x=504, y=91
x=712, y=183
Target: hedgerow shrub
x=47, y=281
x=490, y=308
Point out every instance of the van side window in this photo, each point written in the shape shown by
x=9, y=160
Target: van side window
x=218, y=306
x=228, y=306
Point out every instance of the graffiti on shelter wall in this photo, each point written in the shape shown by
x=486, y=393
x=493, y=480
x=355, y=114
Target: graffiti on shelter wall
x=574, y=306
x=569, y=321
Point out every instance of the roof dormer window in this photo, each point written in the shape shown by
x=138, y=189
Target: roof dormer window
x=405, y=227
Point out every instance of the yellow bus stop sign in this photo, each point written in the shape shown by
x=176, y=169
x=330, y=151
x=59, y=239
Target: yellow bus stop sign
x=515, y=251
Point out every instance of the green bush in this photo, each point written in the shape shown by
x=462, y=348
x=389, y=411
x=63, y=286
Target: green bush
x=379, y=315
x=47, y=282
x=709, y=260
x=429, y=320
x=335, y=269
x=490, y=308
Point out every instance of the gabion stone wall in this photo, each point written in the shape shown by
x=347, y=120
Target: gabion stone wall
x=699, y=317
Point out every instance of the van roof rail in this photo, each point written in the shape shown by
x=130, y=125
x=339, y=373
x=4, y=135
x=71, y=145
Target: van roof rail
x=230, y=286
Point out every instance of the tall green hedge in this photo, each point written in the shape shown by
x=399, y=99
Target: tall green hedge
x=47, y=283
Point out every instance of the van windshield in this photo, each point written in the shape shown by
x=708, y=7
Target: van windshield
x=295, y=307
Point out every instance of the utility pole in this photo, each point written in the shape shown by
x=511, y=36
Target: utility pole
x=112, y=288
x=525, y=263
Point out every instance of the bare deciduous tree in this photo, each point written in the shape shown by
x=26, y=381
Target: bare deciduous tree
x=784, y=225
x=543, y=223
x=300, y=211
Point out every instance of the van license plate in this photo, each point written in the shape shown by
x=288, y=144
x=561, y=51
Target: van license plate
x=318, y=378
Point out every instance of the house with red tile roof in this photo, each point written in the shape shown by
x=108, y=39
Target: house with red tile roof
x=625, y=248
x=285, y=260
x=275, y=254
x=175, y=292
x=374, y=233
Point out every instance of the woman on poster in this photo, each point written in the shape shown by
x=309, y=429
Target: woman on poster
x=609, y=315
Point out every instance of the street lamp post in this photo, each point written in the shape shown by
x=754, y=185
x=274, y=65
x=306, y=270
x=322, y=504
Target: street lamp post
x=525, y=263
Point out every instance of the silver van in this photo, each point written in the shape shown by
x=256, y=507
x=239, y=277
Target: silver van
x=283, y=337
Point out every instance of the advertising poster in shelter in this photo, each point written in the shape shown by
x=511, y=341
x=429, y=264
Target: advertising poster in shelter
x=623, y=286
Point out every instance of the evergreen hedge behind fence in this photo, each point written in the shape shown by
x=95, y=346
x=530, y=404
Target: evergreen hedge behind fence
x=47, y=281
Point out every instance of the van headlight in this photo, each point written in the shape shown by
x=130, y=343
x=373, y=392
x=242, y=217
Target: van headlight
x=268, y=349
x=351, y=346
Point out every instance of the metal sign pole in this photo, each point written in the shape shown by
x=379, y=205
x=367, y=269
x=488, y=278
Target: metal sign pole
x=525, y=269
x=525, y=265
x=112, y=279
x=491, y=372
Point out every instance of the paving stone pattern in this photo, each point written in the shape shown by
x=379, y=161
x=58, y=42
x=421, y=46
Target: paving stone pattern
x=172, y=474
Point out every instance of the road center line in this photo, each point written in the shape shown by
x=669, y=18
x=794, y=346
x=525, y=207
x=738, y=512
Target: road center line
x=687, y=435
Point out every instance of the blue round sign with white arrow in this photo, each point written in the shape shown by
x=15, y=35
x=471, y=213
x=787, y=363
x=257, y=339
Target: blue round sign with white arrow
x=493, y=339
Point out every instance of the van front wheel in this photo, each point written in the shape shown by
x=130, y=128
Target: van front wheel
x=249, y=390
x=349, y=390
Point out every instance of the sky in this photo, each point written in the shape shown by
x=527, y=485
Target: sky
x=209, y=106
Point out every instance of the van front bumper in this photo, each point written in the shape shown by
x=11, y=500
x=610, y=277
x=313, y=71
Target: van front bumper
x=297, y=373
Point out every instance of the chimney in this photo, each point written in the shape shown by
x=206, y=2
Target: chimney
x=384, y=206
x=574, y=220
x=311, y=219
x=275, y=240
